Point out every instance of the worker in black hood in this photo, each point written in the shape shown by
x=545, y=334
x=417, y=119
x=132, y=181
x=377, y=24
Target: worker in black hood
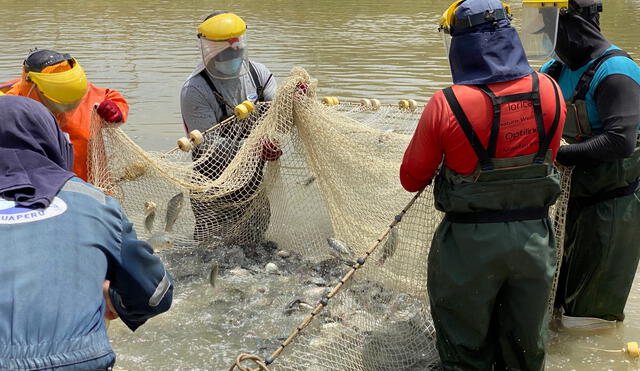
x=602, y=86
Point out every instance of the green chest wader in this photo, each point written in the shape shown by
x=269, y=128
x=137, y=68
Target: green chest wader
x=492, y=259
x=241, y=217
x=601, y=249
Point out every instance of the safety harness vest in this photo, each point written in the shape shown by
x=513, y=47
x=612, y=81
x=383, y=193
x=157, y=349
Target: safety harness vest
x=577, y=127
x=501, y=189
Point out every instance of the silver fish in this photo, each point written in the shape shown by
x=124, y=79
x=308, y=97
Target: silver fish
x=160, y=241
x=307, y=180
x=148, y=220
x=341, y=251
x=213, y=275
x=297, y=305
x=173, y=210
x=389, y=247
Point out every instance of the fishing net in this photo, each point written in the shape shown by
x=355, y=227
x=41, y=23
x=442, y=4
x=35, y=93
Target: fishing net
x=329, y=199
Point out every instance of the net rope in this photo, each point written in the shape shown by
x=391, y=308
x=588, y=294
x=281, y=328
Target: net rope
x=335, y=185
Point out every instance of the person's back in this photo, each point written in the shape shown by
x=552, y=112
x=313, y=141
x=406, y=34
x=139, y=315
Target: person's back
x=62, y=238
x=491, y=138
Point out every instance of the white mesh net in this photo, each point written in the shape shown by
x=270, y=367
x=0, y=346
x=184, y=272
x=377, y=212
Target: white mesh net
x=329, y=199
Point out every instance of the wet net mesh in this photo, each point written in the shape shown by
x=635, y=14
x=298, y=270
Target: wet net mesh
x=329, y=199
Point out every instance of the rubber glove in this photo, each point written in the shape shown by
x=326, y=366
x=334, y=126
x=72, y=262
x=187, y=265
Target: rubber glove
x=109, y=111
x=270, y=150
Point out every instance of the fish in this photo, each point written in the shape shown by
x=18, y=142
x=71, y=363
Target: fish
x=307, y=181
x=148, y=220
x=160, y=241
x=213, y=275
x=389, y=247
x=340, y=250
x=173, y=210
x=297, y=305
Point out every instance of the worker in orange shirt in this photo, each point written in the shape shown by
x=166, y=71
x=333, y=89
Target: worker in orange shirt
x=59, y=82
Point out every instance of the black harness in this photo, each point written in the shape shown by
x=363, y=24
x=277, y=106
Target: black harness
x=582, y=87
x=486, y=155
x=222, y=103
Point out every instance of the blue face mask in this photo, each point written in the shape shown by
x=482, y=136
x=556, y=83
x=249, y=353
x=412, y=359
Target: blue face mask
x=230, y=67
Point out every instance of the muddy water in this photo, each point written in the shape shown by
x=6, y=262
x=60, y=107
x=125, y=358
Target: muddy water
x=356, y=48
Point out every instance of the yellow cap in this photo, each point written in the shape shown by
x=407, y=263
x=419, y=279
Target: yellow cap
x=544, y=4
x=61, y=87
x=222, y=27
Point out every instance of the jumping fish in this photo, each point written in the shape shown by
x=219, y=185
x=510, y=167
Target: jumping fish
x=340, y=250
x=173, y=210
x=150, y=215
x=213, y=275
x=389, y=247
x=160, y=241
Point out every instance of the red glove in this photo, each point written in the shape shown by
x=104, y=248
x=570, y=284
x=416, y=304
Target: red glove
x=302, y=88
x=270, y=150
x=109, y=111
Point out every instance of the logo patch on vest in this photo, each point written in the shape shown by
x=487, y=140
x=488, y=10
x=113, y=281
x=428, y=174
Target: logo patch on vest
x=253, y=97
x=12, y=214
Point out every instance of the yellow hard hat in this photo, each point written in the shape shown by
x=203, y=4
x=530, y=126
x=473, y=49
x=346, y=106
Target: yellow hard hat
x=222, y=26
x=61, y=87
x=448, y=18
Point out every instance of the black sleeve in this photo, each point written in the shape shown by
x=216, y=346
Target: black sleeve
x=618, y=100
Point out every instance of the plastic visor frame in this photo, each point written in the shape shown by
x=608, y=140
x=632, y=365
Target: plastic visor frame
x=65, y=87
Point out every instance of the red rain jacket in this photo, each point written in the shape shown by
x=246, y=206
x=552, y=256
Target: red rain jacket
x=439, y=138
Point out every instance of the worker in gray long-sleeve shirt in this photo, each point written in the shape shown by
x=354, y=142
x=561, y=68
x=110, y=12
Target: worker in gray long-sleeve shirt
x=224, y=79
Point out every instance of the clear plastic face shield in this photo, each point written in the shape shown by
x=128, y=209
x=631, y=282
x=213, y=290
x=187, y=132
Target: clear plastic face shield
x=224, y=59
x=540, y=27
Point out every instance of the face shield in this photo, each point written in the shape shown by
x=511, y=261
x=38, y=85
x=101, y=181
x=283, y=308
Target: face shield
x=540, y=27
x=222, y=41
x=225, y=59
x=61, y=91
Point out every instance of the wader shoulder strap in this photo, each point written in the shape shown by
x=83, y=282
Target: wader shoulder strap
x=555, y=70
x=256, y=82
x=582, y=87
x=221, y=103
x=546, y=143
x=472, y=137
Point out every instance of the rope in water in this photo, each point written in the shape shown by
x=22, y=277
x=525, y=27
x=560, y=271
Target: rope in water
x=325, y=300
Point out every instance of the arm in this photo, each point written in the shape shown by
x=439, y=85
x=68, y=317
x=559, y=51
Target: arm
x=197, y=112
x=140, y=287
x=424, y=153
x=617, y=97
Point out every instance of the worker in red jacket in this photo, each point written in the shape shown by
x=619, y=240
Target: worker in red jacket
x=59, y=82
x=491, y=138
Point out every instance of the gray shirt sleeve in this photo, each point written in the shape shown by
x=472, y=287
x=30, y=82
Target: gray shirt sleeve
x=198, y=112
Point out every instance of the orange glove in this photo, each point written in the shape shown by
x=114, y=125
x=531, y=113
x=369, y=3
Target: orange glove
x=270, y=150
x=109, y=111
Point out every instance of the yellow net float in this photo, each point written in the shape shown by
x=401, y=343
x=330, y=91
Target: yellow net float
x=330, y=101
x=365, y=102
x=184, y=144
x=196, y=137
x=375, y=104
x=632, y=349
x=403, y=104
x=241, y=111
x=249, y=104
